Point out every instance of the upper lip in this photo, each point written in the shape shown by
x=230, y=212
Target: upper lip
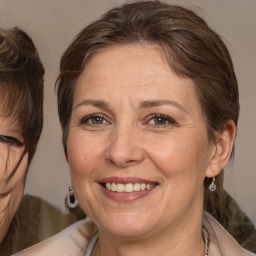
x=125, y=180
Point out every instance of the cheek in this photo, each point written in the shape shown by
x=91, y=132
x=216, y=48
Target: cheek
x=17, y=194
x=84, y=153
x=15, y=187
x=179, y=155
x=9, y=159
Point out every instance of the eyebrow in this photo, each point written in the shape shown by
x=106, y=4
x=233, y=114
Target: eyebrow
x=144, y=104
x=8, y=129
x=157, y=103
x=96, y=103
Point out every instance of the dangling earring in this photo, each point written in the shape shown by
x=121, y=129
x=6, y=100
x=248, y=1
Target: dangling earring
x=71, y=199
x=212, y=186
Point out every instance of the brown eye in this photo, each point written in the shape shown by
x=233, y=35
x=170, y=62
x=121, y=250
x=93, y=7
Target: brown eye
x=10, y=140
x=161, y=120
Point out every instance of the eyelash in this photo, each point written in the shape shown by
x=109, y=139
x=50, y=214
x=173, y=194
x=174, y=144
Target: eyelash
x=10, y=140
x=86, y=119
x=164, y=118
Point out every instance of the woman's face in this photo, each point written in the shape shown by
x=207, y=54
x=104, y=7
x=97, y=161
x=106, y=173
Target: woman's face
x=11, y=189
x=137, y=127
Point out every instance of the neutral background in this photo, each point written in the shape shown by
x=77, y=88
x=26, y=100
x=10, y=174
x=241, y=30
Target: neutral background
x=52, y=24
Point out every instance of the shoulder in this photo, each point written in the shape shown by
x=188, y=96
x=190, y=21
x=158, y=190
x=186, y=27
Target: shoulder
x=221, y=242
x=35, y=221
x=71, y=241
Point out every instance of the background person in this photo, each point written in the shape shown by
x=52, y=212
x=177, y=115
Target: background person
x=21, y=121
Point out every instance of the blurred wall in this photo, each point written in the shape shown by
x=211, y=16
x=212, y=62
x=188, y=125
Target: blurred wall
x=52, y=24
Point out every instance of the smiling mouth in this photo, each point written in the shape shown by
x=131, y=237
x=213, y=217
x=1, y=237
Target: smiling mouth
x=127, y=188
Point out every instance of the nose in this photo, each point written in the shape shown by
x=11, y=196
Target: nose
x=125, y=148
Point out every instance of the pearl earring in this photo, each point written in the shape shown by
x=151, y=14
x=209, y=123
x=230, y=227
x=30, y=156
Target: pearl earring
x=212, y=186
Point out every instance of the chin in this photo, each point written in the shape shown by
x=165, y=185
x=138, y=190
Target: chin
x=126, y=225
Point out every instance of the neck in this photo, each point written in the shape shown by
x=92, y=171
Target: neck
x=183, y=239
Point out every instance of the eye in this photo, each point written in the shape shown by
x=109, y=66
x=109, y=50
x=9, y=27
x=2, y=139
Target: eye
x=10, y=140
x=95, y=119
x=161, y=120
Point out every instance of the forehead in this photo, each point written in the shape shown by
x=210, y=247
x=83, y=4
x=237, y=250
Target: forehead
x=9, y=121
x=9, y=124
x=138, y=61
x=135, y=71
x=11, y=104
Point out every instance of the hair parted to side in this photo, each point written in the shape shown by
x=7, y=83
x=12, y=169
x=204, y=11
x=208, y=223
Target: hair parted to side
x=192, y=49
x=21, y=85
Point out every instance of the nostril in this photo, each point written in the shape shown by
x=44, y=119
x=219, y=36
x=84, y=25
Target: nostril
x=122, y=163
x=110, y=161
x=125, y=157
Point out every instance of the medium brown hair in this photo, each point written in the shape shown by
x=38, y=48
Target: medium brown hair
x=192, y=49
x=21, y=85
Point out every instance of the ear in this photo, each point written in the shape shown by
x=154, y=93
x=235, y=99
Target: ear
x=221, y=149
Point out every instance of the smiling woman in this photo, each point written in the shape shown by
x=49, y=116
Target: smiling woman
x=148, y=103
x=168, y=154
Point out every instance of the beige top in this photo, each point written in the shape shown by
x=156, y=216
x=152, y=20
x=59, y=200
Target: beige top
x=221, y=242
x=73, y=240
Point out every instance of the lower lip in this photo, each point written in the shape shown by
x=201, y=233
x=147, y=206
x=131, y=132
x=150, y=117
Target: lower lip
x=126, y=197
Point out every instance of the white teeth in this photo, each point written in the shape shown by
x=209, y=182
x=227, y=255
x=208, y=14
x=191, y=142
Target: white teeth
x=108, y=186
x=143, y=186
x=113, y=187
x=136, y=187
x=129, y=187
x=119, y=187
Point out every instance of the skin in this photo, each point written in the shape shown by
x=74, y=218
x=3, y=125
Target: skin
x=131, y=84
x=11, y=192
